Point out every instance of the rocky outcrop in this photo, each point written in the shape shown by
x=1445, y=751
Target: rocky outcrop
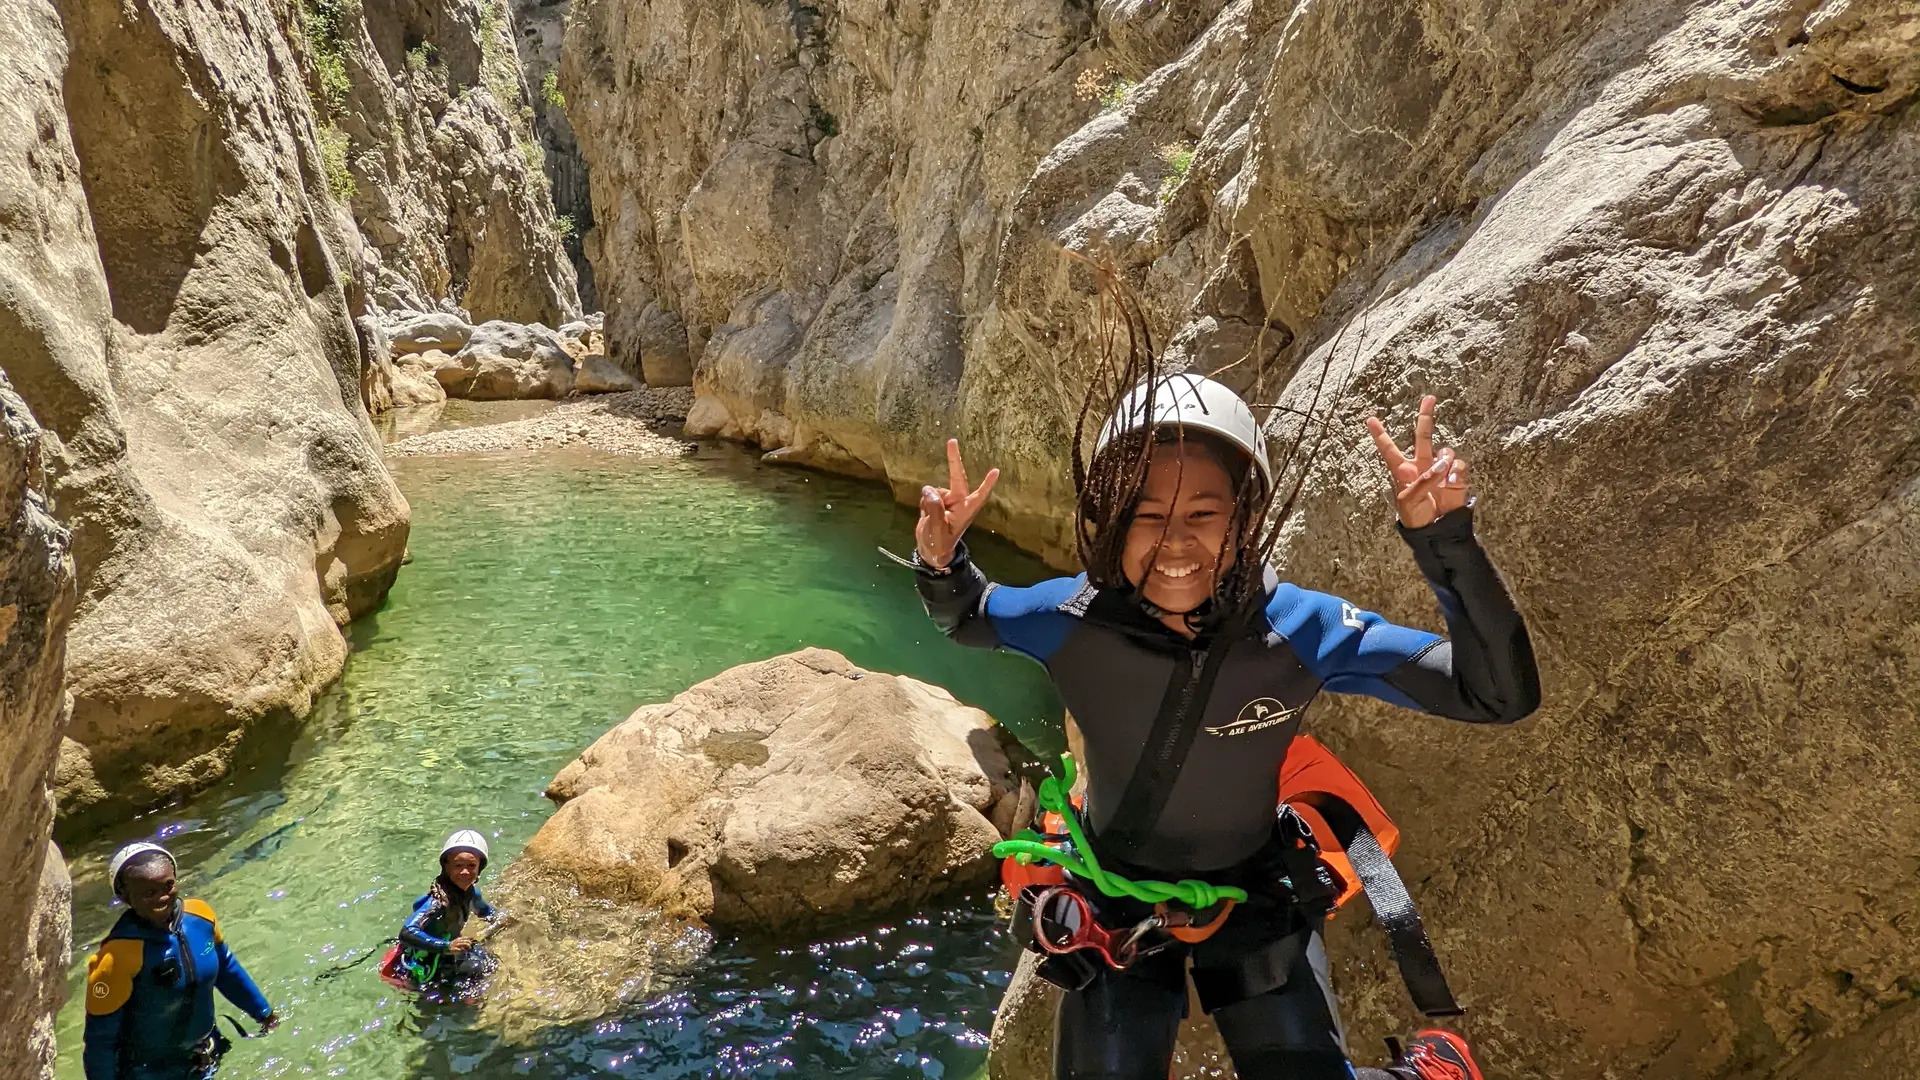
x=1658, y=260
x=432, y=356
x=36, y=600
x=781, y=794
x=427, y=120
x=181, y=291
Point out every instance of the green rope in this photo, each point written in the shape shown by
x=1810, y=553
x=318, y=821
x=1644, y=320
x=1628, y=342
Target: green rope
x=1028, y=846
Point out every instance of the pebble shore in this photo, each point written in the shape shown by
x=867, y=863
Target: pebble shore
x=617, y=423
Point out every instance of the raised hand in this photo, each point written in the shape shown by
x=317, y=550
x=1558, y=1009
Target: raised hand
x=1425, y=485
x=946, y=512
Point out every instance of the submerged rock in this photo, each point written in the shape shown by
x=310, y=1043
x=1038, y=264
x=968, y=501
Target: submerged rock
x=783, y=794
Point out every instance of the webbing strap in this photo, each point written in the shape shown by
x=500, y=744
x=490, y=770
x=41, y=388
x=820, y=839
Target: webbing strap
x=1393, y=908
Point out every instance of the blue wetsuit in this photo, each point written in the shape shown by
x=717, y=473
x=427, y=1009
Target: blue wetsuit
x=1115, y=665
x=427, y=938
x=150, y=997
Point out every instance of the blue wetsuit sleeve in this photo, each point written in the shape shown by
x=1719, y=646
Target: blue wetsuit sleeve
x=973, y=611
x=101, y=1057
x=1484, y=672
x=415, y=934
x=481, y=907
x=237, y=986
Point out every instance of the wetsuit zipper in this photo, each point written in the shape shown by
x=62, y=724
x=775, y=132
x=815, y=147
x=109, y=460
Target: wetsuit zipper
x=1196, y=659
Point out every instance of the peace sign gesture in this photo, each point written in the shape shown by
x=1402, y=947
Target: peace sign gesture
x=1425, y=485
x=946, y=512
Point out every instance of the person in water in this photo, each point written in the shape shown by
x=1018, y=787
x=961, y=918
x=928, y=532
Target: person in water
x=1174, y=526
x=150, y=987
x=433, y=952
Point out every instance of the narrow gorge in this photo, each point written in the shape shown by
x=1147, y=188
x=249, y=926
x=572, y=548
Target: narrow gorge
x=1660, y=262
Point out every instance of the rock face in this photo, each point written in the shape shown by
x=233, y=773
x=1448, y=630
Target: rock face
x=427, y=118
x=539, y=31
x=181, y=294
x=783, y=794
x=36, y=600
x=1658, y=261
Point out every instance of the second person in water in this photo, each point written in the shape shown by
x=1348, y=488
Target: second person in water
x=432, y=953
x=1180, y=623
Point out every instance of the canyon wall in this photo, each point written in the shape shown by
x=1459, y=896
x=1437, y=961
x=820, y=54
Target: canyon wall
x=1657, y=260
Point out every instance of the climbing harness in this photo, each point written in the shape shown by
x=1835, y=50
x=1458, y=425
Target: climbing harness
x=1335, y=842
x=1080, y=861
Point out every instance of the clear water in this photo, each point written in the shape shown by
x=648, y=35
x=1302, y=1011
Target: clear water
x=546, y=599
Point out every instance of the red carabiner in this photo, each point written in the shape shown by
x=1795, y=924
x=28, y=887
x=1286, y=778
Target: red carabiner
x=1064, y=922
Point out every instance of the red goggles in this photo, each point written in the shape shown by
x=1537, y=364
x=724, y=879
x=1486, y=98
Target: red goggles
x=1063, y=922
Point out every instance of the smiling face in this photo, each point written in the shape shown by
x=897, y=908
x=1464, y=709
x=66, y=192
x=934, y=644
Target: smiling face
x=463, y=869
x=1173, y=550
x=149, y=889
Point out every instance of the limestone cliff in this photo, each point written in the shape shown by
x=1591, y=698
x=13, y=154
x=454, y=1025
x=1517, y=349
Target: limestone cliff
x=1657, y=259
x=180, y=288
x=539, y=34
x=36, y=573
x=36, y=599
x=427, y=127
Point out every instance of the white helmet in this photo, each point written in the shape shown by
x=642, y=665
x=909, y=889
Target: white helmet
x=465, y=840
x=126, y=854
x=1193, y=402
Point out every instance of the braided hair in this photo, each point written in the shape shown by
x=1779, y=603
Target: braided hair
x=1108, y=484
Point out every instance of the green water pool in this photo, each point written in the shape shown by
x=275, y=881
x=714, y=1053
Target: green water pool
x=547, y=597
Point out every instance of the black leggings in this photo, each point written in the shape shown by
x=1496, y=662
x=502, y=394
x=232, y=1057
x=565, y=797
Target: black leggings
x=1122, y=1026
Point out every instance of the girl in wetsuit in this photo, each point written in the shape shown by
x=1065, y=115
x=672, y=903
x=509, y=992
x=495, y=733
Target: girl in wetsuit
x=433, y=952
x=1174, y=527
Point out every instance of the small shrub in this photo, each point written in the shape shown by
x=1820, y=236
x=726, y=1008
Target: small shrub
x=563, y=226
x=324, y=23
x=489, y=27
x=421, y=57
x=1087, y=85
x=536, y=157
x=1178, y=158
x=550, y=91
x=822, y=119
x=334, y=145
x=1104, y=85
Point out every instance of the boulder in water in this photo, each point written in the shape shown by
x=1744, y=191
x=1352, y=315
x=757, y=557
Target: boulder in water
x=781, y=794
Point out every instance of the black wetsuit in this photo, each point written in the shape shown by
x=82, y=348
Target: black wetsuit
x=1113, y=664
